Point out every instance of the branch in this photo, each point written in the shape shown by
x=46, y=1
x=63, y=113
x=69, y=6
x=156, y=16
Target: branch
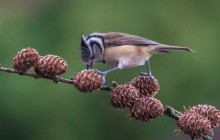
x=68, y=81
x=207, y=138
x=170, y=112
x=37, y=76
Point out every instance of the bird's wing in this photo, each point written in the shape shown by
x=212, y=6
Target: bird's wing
x=113, y=39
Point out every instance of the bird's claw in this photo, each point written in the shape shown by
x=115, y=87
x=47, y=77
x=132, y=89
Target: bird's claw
x=148, y=74
x=103, y=75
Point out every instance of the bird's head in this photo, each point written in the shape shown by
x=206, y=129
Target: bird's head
x=91, y=49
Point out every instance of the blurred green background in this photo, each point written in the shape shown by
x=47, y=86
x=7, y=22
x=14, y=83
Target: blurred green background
x=41, y=110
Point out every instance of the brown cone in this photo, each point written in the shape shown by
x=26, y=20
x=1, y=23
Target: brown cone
x=123, y=96
x=51, y=65
x=194, y=125
x=146, y=86
x=210, y=112
x=88, y=81
x=25, y=59
x=147, y=109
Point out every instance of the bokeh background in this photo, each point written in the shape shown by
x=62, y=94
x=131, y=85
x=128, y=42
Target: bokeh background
x=41, y=110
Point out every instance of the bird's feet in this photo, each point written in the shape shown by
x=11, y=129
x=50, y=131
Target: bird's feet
x=148, y=74
x=103, y=75
x=101, y=72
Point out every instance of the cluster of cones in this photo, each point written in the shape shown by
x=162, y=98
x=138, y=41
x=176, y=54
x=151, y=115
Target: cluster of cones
x=199, y=121
x=49, y=65
x=139, y=97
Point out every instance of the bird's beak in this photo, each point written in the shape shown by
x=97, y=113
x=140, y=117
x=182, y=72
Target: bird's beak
x=89, y=66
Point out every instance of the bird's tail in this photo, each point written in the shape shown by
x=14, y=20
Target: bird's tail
x=166, y=48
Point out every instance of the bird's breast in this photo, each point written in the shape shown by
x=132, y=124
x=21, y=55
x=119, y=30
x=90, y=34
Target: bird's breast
x=126, y=56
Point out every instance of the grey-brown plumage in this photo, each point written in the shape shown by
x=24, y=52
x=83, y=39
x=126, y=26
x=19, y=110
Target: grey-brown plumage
x=114, y=39
x=121, y=50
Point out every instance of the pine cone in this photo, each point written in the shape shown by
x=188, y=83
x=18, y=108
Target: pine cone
x=51, y=65
x=123, y=96
x=210, y=112
x=88, y=81
x=194, y=124
x=146, y=86
x=25, y=59
x=147, y=109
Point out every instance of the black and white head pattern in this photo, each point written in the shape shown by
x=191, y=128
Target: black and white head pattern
x=91, y=48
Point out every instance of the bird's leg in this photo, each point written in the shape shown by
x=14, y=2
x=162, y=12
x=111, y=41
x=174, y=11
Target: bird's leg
x=149, y=71
x=105, y=73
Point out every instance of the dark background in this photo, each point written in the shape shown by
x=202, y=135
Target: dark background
x=41, y=110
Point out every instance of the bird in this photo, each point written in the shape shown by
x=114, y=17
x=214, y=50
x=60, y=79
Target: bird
x=121, y=50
